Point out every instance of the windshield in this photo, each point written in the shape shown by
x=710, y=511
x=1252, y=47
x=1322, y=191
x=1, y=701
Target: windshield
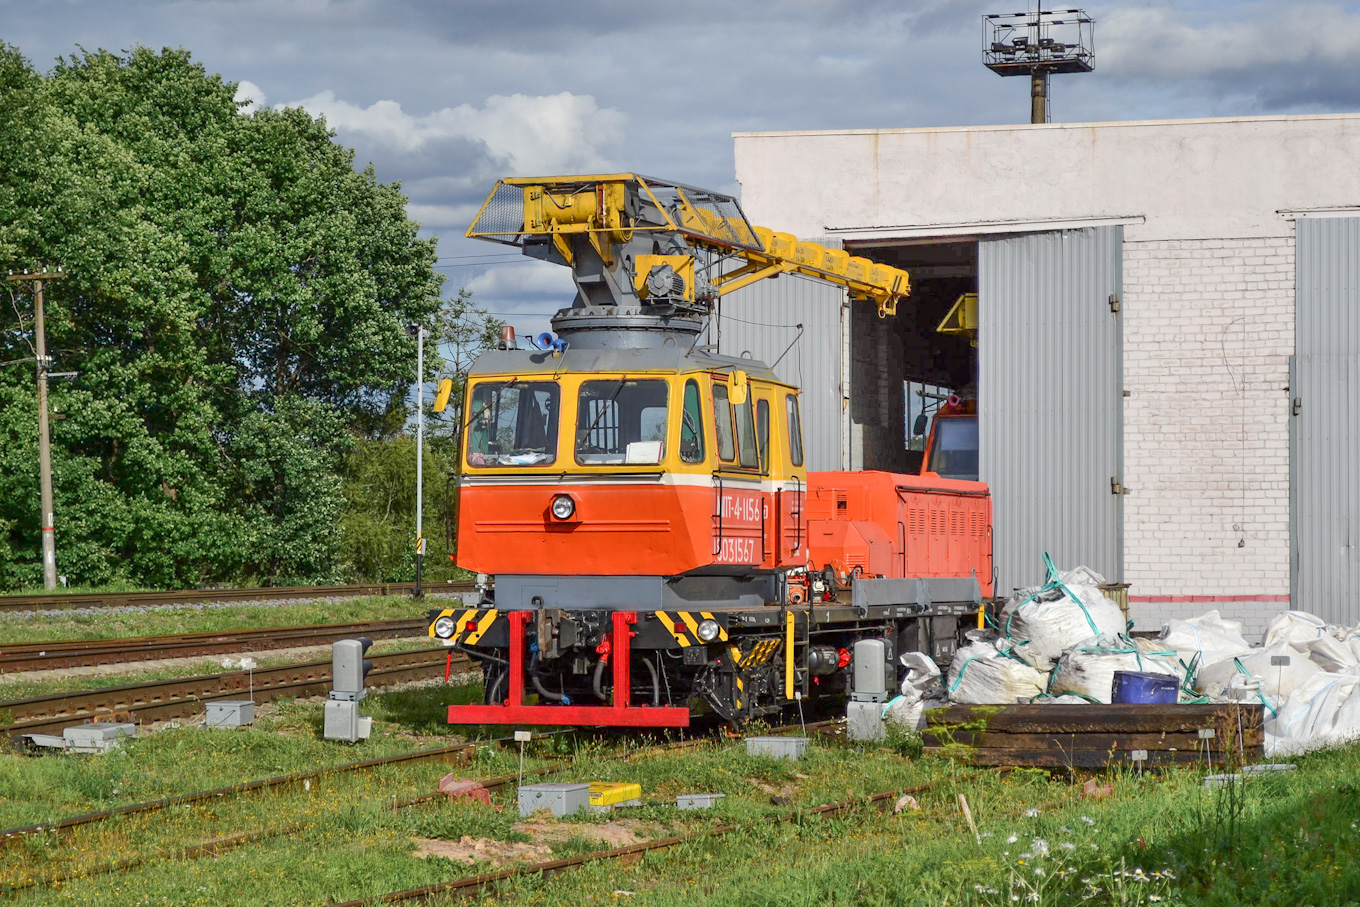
x=954, y=454
x=513, y=423
x=621, y=422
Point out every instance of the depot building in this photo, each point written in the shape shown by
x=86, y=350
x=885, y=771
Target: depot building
x=1167, y=354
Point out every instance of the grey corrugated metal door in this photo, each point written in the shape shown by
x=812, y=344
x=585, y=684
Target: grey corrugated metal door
x=1325, y=433
x=761, y=320
x=1050, y=400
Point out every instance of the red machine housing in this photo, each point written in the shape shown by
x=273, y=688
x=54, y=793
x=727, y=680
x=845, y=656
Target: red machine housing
x=893, y=525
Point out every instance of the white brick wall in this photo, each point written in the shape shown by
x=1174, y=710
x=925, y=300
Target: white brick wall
x=1208, y=331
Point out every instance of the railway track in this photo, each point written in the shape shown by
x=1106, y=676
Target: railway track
x=75, y=653
x=186, y=697
x=476, y=884
x=458, y=754
x=64, y=601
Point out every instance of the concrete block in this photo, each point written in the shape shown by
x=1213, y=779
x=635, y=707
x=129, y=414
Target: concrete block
x=864, y=721
x=778, y=747
x=458, y=789
x=343, y=722
x=560, y=799
x=96, y=736
x=698, y=801
x=230, y=713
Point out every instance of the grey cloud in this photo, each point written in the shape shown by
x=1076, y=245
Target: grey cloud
x=682, y=77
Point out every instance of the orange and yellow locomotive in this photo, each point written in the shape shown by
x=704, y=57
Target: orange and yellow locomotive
x=640, y=505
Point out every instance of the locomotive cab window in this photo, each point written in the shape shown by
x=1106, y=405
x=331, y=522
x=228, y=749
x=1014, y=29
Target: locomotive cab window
x=763, y=433
x=621, y=422
x=692, y=425
x=513, y=423
x=736, y=427
x=747, y=454
x=955, y=452
x=795, y=430
x=722, y=420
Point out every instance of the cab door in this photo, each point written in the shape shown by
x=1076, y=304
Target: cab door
x=740, y=507
x=790, y=478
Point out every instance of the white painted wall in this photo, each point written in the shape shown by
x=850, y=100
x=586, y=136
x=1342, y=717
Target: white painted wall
x=1208, y=298
x=1189, y=179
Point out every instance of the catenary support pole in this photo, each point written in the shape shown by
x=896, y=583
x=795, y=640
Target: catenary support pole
x=49, y=541
x=421, y=334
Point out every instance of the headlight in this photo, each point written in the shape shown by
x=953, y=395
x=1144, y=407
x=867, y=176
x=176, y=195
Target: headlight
x=708, y=630
x=444, y=627
x=563, y=507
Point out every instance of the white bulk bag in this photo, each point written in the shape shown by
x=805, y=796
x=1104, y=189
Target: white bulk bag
x=921, y=688
x=980, y=674
x=1276, y=682
x=1088, y=669
x=1208, y=638
x=1330, y=654
x=1308, y=719
x=1043, y=624
x=1295, y=628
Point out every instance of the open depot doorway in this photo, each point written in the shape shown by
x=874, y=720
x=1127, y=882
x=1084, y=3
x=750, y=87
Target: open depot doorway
x=1046, y=375
x=899, y=368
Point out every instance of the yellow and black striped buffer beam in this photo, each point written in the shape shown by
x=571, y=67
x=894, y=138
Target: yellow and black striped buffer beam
x=684, y=626
x=470, y=624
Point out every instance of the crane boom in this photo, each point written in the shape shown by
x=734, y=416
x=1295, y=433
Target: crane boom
x=664, y=248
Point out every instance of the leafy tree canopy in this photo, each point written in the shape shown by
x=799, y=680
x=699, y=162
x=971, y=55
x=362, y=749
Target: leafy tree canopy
x=236, y=304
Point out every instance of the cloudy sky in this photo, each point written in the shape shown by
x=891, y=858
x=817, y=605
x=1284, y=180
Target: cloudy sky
x=448, y=95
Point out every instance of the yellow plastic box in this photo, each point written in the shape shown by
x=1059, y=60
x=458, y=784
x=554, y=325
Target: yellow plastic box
x=605, y=795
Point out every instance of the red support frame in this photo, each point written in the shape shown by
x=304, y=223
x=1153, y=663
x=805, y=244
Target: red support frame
x=621, y=713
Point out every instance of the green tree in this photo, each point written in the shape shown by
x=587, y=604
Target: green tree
x=378, y=526
x=236, y=305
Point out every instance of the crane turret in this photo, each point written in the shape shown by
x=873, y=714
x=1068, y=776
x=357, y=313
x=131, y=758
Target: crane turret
x=650, y=258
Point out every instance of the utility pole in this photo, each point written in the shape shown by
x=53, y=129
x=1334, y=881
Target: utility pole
x=49, y=542
x=421, y=334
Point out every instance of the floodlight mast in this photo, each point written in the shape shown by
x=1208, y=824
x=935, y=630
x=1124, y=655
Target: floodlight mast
x=1038, y=44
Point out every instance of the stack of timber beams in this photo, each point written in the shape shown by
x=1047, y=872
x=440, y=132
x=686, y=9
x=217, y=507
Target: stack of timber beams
x=1098, y=736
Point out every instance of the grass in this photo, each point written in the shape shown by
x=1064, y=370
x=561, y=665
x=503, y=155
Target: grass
x=109, y=588
x=1287, y=839
x=42, y=626
x=62, y=683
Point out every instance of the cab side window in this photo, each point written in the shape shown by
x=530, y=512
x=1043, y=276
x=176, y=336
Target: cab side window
x=722, y=417
x=795, y=430
x=748, y=455
x=763, y=433
x=692, y=425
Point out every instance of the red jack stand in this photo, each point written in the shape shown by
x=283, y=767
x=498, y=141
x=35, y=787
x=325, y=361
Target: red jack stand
x=622, y=713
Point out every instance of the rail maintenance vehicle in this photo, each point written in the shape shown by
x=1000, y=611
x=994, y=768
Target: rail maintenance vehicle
x=648, y=539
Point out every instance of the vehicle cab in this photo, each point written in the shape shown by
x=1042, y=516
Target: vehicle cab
x=640, y=462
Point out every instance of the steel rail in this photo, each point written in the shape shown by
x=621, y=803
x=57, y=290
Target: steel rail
x=63, y=601
x=217, y=846
x=72, y=653
x=465, y=750
x=186, y=696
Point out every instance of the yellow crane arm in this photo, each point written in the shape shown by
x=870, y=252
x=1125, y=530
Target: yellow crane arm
x=612, y=211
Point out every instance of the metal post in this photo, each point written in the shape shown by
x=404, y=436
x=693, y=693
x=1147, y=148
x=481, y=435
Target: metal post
x=421, y=334
x=49, y=542
x=1038, y=89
